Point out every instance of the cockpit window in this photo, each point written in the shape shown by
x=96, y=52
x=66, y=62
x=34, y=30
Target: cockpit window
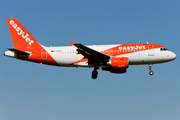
x=163, y=49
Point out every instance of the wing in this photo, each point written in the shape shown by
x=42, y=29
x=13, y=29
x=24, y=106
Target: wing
x=92, y=55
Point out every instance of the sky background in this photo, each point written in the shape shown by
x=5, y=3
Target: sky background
x=30, y=91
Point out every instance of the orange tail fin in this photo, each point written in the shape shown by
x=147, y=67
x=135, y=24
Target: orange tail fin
x=22, y=39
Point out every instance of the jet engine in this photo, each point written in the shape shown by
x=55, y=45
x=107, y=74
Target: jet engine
x=117, y=65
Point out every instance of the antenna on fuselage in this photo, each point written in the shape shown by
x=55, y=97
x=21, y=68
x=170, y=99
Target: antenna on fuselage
x=147, y=42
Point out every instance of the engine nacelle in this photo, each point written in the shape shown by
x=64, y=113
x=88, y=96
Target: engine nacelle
x=117, y=65
x=121, y=62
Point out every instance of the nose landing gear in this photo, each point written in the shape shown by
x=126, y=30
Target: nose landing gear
x=150, y=68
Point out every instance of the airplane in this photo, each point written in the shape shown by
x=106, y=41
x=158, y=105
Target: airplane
x=113, y=58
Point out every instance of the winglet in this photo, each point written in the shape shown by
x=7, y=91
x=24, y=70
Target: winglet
x=72, y=43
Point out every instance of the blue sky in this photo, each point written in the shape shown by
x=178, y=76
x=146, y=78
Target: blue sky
x=30, y=91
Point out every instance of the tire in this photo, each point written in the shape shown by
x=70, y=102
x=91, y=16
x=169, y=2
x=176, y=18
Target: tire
x=94, y=74
x=151, y=72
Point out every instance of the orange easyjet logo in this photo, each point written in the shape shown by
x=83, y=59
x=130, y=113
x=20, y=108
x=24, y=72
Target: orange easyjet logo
x=24, y=35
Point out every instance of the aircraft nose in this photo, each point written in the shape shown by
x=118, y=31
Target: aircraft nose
x=172, y=56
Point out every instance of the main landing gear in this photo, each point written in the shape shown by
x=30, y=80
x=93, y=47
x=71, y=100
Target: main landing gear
x=94, y=73
x=150, y=68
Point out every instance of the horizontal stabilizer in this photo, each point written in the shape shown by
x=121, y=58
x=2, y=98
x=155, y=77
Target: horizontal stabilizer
x=18, y=51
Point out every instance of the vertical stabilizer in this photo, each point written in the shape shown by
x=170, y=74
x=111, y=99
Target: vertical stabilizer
x=22, y=39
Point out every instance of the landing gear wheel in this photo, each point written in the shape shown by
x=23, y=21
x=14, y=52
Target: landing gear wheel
x=150, y=68
x=94, y=74
x=151, y=72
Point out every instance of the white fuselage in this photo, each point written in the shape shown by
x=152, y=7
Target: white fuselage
x=67, y=55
